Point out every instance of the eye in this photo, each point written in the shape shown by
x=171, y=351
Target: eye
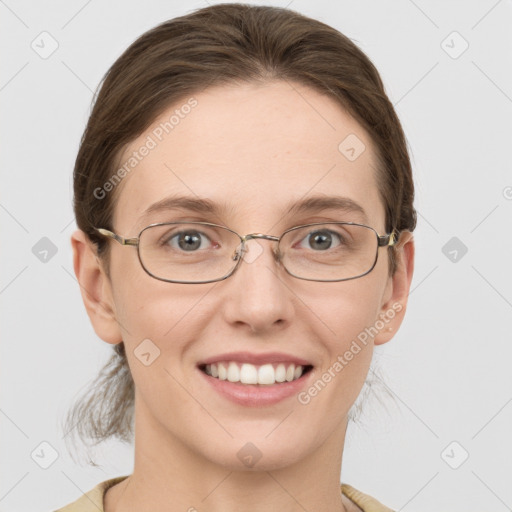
x=322, y=239
x=189, y=240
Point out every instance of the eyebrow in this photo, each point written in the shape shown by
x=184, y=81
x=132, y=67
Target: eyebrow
x=320, y=203
x=312, y=204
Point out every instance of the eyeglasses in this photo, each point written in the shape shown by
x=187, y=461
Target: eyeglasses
x=202, y=252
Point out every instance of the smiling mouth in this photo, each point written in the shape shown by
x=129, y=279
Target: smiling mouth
x=250, y=374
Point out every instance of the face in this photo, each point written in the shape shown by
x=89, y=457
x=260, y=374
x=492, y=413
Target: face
x=253, y=150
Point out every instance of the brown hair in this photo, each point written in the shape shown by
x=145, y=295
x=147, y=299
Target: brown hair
x=220, y=44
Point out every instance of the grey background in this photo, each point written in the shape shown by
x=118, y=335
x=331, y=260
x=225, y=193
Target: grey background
x=448, y=368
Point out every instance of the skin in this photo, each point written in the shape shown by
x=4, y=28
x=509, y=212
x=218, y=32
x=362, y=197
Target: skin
x=188, y=436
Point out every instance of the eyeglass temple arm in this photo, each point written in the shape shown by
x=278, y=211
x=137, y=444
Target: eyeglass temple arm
x=389, y=240
x=117, y=238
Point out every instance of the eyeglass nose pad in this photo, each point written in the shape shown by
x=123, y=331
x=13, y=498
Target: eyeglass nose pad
x=238, y=252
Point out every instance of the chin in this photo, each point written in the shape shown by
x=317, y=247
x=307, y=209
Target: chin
x=257, y=455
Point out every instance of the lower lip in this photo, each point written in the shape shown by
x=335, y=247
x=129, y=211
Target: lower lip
x=256, y=395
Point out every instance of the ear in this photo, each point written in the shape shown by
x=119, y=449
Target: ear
x=95, y=287
x=396, y=292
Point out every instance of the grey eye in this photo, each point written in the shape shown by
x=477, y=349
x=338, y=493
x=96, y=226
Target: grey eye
x=188, y=241
x=322, y=240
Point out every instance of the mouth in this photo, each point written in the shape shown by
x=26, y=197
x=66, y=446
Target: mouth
x=248, y=374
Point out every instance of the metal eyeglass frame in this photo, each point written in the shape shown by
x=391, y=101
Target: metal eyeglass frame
x=388, y=240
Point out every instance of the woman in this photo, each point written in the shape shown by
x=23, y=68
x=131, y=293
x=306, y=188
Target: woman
x=238, y=357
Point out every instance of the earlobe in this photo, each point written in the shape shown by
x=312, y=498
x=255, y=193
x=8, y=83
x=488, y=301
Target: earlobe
x=95, y=287
x=393, y=309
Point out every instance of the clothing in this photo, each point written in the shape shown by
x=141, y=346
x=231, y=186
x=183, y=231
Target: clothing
x=92, y=501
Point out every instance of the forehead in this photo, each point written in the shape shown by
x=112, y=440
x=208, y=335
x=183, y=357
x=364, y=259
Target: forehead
x=251, y=149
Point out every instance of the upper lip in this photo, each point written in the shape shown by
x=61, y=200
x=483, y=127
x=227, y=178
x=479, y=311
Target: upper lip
x=256, y=359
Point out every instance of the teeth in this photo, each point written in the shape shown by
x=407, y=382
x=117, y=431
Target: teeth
x=246, y=373
x=266, y=375
x=233, y=372
x=223, y=372
x=281, y=372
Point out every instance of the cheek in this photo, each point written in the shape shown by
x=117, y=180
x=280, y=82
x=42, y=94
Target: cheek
x=158, y=326
x=351, y=345
x=144, y=305
x=169, y=315
x=156, y=310
x=343, y=310
x=347, y=344
x=350, y=317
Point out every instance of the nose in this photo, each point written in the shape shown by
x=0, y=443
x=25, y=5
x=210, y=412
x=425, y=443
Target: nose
x=258, y=296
